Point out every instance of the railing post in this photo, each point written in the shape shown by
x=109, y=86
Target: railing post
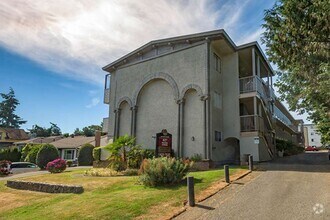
x=226, y=168
x=191, y=193
x=250, y=162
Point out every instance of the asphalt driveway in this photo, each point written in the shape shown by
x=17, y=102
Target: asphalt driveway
x=295, y=187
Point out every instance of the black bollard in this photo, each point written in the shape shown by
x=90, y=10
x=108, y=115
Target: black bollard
x=251, y=162
x=226, y=168
x=191, y=192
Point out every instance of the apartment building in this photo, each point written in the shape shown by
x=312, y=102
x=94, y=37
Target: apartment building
x=312, y=136
x=215, y=98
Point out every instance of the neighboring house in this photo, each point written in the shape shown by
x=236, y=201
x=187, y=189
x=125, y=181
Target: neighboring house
x=214, y=97
x=8, y=136
x=37, y=140
x=69, y=147
x=312, y=136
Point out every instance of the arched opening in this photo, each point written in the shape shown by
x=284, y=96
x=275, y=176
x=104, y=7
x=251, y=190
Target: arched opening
x=124, y=118
x=193, y=126
x=157, y=110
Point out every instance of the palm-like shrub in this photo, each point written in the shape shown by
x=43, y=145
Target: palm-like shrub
x=85, y=157
x=162, y=171
x=56, y=166
x=46, y=154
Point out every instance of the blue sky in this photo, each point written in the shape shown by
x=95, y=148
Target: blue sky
x=52, y=52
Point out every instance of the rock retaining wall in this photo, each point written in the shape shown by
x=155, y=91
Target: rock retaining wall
x=44, y=187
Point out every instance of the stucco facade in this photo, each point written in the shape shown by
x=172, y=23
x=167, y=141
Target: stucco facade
x=189, y=85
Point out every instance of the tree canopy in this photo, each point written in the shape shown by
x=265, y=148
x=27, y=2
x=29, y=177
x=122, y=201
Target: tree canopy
x=39, y=131
x=297, y=37
x=8, y=118
x=88, y=131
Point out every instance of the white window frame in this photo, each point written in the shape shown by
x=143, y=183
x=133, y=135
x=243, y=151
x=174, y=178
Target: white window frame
x=65, y=154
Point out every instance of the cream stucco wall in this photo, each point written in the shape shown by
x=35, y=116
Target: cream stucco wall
x=158, y=108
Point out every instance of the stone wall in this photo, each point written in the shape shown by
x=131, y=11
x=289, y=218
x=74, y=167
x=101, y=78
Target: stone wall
x=44, y=187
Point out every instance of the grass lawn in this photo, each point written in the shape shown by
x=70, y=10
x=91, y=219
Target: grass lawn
x=104, y=197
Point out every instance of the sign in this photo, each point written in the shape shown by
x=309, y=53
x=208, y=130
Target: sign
x=163, y=144
x=256, y=140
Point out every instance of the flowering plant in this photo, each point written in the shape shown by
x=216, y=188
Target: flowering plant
x=4, y=167
x=56, y=166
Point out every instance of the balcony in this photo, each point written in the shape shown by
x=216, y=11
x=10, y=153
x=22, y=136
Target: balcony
x=256, y=84
x=106, y=99
x=250, y=123
x=279, y=115
x=106, y=96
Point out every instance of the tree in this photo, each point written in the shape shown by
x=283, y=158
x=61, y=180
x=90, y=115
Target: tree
x=297, y=37
x=8, y=118
x=78, y=132
x=39, y=131
x=46, y=154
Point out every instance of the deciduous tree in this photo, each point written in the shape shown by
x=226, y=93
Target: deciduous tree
x=297, y=37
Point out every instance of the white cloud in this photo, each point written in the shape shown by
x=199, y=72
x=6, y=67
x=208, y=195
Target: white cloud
x=93, y=103
x=77, y=38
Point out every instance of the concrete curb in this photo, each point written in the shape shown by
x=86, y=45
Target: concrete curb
x=233, y=178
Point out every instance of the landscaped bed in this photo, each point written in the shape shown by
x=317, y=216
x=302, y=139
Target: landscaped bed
x=120, y=197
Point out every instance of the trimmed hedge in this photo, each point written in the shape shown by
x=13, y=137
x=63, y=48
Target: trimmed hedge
x=47, y=153
x=85, y=157
x=12, y=155
x=97, y=153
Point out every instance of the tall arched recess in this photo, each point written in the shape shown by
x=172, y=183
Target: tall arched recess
x=124, y=118
x=193, y=122
x=157, y=109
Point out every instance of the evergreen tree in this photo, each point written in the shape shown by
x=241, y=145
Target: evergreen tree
x=8, y=118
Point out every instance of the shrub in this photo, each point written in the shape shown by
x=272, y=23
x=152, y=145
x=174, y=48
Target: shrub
x=196, y=158
x=56, y=166
x=288, y=147
x=11, y=155
x=130, y=172
x=4, y=167
x=85, y=157
x=46, y=154
x=69, y=163
x=101, y=172
x=32, y=154
x=97, y=153
x=163, y=170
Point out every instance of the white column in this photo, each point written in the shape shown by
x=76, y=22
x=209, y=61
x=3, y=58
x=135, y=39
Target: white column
x=253, y=62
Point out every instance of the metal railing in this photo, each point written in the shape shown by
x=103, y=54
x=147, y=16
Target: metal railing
x=106, y=96
x=284, y=119
x=256, y=84
x=252, y=123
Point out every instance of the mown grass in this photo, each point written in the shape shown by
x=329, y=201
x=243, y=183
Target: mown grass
x=103, y=198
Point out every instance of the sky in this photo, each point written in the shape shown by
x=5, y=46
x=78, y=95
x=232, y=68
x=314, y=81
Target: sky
x=52, y=52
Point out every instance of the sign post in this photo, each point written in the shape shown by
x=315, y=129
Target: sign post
x=163, y=144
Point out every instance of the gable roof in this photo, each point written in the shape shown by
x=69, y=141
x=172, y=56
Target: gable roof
x=15, y=134
x=190, y=39
x=75, y=142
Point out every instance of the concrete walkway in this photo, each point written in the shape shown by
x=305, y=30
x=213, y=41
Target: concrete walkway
x=296, y=187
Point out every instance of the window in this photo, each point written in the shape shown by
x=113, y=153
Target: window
x=68, y=154
x=217, y=100
x=217, y=63
x=217, y=136
x=312, y=140
x=312, y=133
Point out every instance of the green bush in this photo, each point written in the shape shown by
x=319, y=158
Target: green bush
x=288, y=147
x=32, y=155
x=69, y=163
x=97, y=153
x=85, y=157
x=46, y=153
x=162, y=171
x=196, y=158
x=12, y=155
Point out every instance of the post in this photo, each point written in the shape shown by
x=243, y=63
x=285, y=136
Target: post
x=191, y=193
x=251, y=162
x=226, y=168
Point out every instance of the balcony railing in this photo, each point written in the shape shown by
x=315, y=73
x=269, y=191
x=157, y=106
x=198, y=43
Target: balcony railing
x=278, y=114
x=106, y=96
x=252, y=123
x=256, y=84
